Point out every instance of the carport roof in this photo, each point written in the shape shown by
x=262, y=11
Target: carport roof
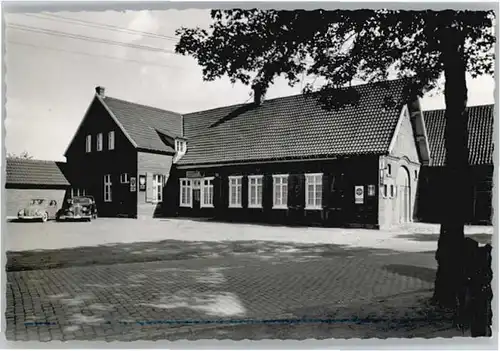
x=35, y=172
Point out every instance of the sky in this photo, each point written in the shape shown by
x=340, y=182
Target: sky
x=51, y=80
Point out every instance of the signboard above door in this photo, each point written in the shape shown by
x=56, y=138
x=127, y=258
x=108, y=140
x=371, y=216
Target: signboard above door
x=193, y=174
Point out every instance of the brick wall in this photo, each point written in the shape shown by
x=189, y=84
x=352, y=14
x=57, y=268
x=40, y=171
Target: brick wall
x=155, y=164
x=19, y=198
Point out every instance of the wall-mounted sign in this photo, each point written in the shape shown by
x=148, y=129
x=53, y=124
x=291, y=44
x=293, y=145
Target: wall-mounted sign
x=142, y=183
x=359, y=194
x=133, y=185
x=193, y=174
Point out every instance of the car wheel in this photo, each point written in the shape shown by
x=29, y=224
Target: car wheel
x=45, y=217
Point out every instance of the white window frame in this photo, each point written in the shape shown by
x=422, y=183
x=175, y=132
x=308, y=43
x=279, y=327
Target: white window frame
x=392, y=191
x=158, y=183
x=389, y=170
x=371, y=190
x=255, y=186
x=384, y=191
x=99, y=142
x=77, y=192
x=210, y=188
x=88, y=143
x=107, y=188
x=124, y=178
x=180, y=145
x=111, y=140
x=309, y=177
x=239, y=184
x=281, y=205
x=188, y=189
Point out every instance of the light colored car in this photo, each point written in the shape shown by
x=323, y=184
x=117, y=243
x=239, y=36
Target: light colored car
x=38, y=209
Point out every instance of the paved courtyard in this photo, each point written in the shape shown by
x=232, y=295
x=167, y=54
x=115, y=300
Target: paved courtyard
x=232, y=284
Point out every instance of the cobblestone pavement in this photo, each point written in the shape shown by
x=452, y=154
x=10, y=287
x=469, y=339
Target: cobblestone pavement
x=163, y=299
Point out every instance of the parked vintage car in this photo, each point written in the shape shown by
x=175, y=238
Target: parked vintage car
x=39, y=209
x=78, y=207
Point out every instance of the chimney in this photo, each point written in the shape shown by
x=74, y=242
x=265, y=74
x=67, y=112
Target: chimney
x=258, y=94
x=100, y=91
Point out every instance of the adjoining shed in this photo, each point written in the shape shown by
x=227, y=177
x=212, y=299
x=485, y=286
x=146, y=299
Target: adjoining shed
x=478, y=196
x=27, y=179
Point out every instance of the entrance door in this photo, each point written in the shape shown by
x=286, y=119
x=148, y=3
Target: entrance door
x=404, y=201
x=196, y=195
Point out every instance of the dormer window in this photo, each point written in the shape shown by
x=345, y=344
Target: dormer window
x=180, y=146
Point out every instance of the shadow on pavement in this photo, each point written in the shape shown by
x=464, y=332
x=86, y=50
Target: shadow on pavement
x=422, y=273
x=174, y=250
x=482, y=238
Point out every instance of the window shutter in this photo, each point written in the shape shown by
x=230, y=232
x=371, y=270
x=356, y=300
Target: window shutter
x=244, y=192
x=325, y=201
x=267, y=191
x=300, y=191
x=149, y=187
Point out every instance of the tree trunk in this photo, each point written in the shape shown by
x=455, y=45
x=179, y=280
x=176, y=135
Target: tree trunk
x=456, y=180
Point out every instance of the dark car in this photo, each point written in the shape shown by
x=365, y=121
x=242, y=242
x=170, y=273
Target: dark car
x=78, y=207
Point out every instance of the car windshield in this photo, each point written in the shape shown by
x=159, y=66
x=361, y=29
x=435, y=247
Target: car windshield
x=81, y=200
x=37, y=201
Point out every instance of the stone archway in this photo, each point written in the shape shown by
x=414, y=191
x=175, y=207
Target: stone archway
x=404, y=195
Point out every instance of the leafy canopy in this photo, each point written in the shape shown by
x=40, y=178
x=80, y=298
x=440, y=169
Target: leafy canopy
x=256, y=46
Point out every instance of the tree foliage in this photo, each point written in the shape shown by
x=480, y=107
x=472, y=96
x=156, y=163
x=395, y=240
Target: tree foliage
x=256, y=46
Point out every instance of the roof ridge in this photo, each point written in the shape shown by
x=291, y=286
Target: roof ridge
x=7, y=158
x=287, y=97
x=142, y=105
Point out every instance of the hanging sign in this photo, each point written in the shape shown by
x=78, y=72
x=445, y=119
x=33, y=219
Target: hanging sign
x=193, y=174
x=359, y=194
x=142, y=183
x=133, y=185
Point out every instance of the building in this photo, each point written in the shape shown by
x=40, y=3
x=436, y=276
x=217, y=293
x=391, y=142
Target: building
x=292, y=161
x=122, y=154
x=28, y=179
x=479, y=196
x=288, y=160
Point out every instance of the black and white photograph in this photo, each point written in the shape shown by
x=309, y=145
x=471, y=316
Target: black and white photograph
x=252, y=172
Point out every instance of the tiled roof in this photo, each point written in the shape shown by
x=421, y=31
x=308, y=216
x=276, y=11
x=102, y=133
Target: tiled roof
x=480, y=128
x=145, y=124
x=294, y=127
x=35, y=172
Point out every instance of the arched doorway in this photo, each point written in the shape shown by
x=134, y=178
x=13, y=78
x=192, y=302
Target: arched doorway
x=404, y=194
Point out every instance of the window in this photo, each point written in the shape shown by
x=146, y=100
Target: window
x=392, y=190
x=371, y=190
x=124, y=178
x=88, y=143
x=385, y=190
x=180, y=145
x=314, y=190
x=235, y=191
x=111, y=140
x=158, y=181
x=255, y=191
x=207, y=192
x=280, y=191
x=389, y=170
x=186, y=200
x=99, y=142
x=107, y=188
x=416, y=175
